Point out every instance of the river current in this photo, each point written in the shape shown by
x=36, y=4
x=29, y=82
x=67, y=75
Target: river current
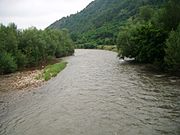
x=97, y=94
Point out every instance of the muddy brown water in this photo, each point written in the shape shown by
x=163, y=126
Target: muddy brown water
x=96, y=94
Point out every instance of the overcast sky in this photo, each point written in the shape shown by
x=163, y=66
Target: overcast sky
x=38, y=13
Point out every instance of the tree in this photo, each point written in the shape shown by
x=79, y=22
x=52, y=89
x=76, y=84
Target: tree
x=31, y=47
x=172, y=50
x=144, y=42
x=171, y=15
x=7, y=63
x=146, y=13
x=150, y=42
x=126, y=44
x=8, y=48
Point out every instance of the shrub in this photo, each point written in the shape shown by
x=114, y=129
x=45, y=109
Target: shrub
x=21, y=59
x=7, y=63
x=172, y=57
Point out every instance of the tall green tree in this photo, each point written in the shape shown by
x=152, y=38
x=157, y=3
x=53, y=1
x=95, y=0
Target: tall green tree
x=150, y=41
x=125, y=41
x=146, y=13
x=7, y=63
x=171, y=15
x=172, y=58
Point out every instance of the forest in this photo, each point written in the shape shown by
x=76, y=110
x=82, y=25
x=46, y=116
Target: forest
x=147, y=30
x=99, y=23
x=31, y=47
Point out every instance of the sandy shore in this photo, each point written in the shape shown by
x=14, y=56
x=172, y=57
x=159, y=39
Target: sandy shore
x=20, y=80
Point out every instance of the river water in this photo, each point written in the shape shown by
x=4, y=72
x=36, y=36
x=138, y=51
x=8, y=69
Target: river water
x=97, y=94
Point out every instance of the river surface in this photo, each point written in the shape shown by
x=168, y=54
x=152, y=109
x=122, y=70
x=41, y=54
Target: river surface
x=96, y=94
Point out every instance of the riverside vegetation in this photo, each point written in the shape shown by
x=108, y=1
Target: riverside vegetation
x=31, y=47
x=147, y=30
x=153, y=36
x=52, y=70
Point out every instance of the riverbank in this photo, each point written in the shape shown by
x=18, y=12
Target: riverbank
x=20, y=80
x=99, y=47
x=108, y=47
x=31, y=78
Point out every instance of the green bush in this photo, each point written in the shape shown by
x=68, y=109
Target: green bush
x=143, y=42
x=172, y=57
x=150, y=41
x=125, y=41
x=21, y=59
x=7, y=63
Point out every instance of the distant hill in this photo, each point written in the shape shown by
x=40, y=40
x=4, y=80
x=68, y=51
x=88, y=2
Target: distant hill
x=99, y=22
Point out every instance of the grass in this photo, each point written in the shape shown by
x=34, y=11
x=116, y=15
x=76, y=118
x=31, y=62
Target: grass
x=52, y=71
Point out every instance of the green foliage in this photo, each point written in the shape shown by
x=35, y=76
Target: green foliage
x=125, y=41
x=52, y=70
x=21, y=59
x=150, y=41
x=7, y=63
x=86, y=46
x=144, y=36
x=146, y=13
x=99, y=22
x=172, y=58
x=31, y=47
x=170, y=15
x=8, y=38
x=143, y=42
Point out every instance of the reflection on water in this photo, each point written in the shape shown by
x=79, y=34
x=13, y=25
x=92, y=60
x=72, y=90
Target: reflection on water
x=98, y=94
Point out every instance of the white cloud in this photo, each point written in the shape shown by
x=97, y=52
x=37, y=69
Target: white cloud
x=38, y=13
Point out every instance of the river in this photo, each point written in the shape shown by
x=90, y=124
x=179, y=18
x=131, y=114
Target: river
x=97, y=94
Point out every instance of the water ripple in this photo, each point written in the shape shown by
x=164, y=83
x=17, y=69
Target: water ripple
x=98, y=94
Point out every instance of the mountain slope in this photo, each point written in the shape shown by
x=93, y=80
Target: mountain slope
x=99, y=22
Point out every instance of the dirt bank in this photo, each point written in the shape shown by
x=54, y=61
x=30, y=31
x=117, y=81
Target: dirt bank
x=20, y=80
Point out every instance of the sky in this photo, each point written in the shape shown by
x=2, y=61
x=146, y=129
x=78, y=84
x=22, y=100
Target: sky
x=38, y=13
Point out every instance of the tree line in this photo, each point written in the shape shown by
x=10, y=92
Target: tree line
x=153, y=36
x=31, y=47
